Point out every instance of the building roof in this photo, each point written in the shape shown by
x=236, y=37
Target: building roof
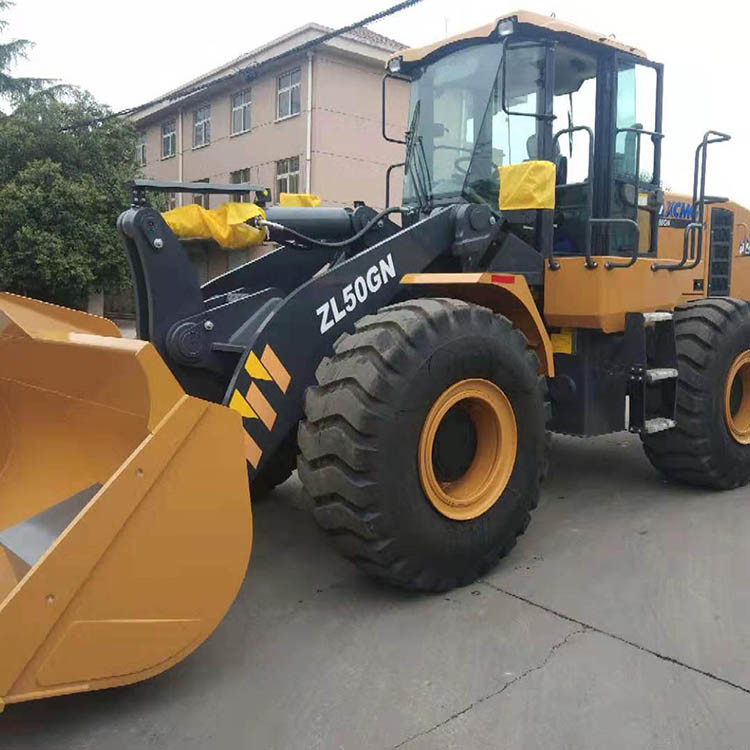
x=549, y=23
x=371, y=37
x=360, y=42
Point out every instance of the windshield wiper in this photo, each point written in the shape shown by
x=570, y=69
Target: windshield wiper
x=415, y=166
x=425, y=167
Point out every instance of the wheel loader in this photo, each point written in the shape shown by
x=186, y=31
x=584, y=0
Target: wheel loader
x=411, y=362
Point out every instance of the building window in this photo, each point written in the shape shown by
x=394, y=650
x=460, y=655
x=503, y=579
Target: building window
x=241, y=112
x=171, y=199
x=168, y=139
x=237, y=178
x=200, y=198
x=287, y=176
x=288, y=94
x=202, y=126
x=140, y=150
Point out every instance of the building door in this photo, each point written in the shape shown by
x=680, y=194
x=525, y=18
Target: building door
x=720, y=267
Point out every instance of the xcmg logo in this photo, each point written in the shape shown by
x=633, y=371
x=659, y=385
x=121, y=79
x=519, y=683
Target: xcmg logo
x=675, y=214
x=676, y=210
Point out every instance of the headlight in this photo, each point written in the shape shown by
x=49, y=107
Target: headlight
x=394, y=65
x=507, y=27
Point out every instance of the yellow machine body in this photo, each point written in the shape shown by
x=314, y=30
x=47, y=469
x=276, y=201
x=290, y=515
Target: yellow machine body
x=726, y=222
x=125, y=523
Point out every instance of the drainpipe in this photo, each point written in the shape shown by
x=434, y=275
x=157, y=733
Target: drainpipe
x=308, y=153
x=179, y=155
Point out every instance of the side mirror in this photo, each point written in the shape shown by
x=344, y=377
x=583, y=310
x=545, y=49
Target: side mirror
x=655, y=200
x=628, y=195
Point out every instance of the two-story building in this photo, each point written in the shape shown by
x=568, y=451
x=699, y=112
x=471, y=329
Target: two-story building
x=294, y=121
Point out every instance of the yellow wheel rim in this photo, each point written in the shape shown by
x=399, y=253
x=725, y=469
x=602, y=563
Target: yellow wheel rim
x=479, y=486
x=737, y=399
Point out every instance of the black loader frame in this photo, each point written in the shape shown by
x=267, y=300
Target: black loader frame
x=287, y=306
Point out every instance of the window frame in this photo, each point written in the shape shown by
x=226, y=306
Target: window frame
x=202, y=199
x=245, y=108
x=288, y=90
x=287, y=175
x=204, y=125
x=171, y=137
x=140, y=149
x=245, y=198
x=629, y=59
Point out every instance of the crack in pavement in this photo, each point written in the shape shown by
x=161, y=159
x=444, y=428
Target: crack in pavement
x=495, y=693
x=621, y=639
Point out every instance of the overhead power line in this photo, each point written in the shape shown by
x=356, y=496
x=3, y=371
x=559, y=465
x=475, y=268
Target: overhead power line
x=248, y=70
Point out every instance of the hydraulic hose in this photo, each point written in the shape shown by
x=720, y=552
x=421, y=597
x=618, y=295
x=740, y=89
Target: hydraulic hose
x=258, y=222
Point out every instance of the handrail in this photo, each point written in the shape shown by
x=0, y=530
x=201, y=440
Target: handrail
x=590, y=262
x=655, y=136
x=611, y=265
x=545, y=116
x=682, y=264
x=695, y=250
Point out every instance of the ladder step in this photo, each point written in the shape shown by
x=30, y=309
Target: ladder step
x=660, y=373
x=657, y=317
x=658, y=424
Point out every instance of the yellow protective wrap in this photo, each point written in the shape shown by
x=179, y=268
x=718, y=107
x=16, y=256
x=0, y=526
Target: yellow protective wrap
x=299, y=199
x=225, y=224
x=525, y=186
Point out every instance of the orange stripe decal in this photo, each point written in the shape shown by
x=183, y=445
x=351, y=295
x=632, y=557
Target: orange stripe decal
x=241, y=406
x=252, y=451
x=255, y=369
x=278, y=372
x=261, y=406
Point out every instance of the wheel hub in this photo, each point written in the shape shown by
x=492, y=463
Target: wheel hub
x=467, y=449
x=455, y=444
x=737, y=399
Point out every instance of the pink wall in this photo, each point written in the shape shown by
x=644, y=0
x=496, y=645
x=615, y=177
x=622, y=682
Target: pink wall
x=349, y=156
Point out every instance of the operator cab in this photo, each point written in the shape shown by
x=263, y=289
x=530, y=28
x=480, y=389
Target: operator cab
x=529, y=90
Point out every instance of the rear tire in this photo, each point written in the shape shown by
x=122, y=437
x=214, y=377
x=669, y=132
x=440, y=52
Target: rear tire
x=365, y=462
x=713, y=408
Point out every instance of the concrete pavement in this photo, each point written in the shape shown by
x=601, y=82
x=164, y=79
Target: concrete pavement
x=621, y=620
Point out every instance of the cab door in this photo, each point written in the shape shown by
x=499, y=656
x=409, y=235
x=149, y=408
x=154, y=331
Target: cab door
x=635, y=188
x=574, y=127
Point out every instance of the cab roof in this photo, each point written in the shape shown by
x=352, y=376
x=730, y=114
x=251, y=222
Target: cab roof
x=547, y=23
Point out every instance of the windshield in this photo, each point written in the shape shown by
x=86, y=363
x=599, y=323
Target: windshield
x=459, y=131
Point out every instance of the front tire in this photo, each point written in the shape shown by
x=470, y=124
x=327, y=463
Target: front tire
x=424, y=443
x=710, y=446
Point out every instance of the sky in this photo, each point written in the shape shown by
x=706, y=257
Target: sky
x=126, y=53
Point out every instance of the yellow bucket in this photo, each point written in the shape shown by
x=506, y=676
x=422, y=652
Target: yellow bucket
x=125, y=523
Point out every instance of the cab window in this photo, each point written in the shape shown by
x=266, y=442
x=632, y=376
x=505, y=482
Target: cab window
x=636, y=110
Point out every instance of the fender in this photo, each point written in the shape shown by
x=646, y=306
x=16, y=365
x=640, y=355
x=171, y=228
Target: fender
x=504, y=293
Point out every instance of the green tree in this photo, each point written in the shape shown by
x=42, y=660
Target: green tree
x=64, y=162
x=15, y=89
x=62, y=186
